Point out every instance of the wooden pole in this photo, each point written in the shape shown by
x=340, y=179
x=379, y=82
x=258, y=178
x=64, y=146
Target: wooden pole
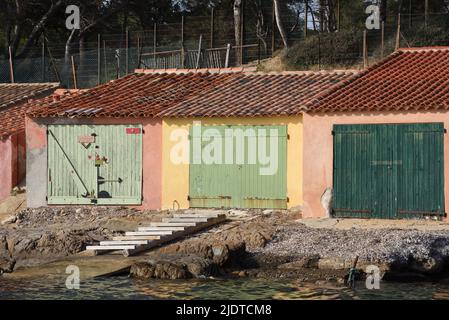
x=75, y=82
x=410, y=12
x=398, y=33
x=43, y=59
x=365, y=51
x=154, y=44
x=53, y=63
x=306, y=18
x=105, y=63
x=199, y=52
x=242, y=31
x=426, y=12
x=182, y=43
x=228, y=52
x=382, y=40
x=338, y=15
x=273, y=29
x=11, y=66
x=138, y=53
x=212, y=27
x=98, y=59
x=127, y=51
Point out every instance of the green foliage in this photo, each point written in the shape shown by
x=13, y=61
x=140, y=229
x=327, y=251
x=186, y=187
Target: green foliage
x=328, y=49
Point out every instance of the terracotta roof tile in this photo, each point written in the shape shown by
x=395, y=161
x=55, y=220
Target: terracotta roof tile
x=13, y=104
x=13, y=93
x=409, y=79
x=195, y=93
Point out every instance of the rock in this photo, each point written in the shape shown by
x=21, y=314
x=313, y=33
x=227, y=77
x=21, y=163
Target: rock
x=7, y=266
x=427, y=265
x=220, y=253
x=9, y=220
x=405, y=277
x=158, y=270
x=242, y=274
x=305, y=262
x=326, y=201
x=257, y=240
x=333, y=263
x=198, y=267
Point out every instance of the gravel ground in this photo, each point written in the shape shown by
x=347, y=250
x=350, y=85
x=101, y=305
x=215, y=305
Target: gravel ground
x=388, y=245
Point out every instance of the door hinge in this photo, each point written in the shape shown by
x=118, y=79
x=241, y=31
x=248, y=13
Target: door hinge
x=46, y=198
x=188, y=198
x=445, y=130
x=288, y=136
x=333, y=132
x=288, y=200
x=48, y=132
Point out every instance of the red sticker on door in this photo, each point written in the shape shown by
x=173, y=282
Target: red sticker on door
x=133, y=131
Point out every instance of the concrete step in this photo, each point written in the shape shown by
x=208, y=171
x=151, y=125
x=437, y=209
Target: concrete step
x=121, y=238
x=114, y=247
x=194, y=216
x=187, y=220
x=173, y=224
x=123, y=242
x=161, y=229
x=148, y=233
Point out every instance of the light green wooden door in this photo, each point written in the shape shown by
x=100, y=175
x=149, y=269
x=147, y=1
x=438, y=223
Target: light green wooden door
x=95, y=164
x=238, y=167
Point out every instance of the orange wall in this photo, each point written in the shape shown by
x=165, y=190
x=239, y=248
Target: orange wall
x=36, y=157
x=318, y=149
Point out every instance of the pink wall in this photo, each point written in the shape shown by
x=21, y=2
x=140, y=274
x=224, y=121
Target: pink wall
x=12, y=163
x=318, y=149
x=5, y=167
x=152, y=156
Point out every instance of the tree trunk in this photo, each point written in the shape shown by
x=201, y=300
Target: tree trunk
x=383, y=10
x=82, y=56
x=38, y=28
x=68, y=47
x=237, y=27
x=277, y=13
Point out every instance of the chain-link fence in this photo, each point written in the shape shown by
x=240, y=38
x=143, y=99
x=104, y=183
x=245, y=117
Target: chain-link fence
x=210, y=42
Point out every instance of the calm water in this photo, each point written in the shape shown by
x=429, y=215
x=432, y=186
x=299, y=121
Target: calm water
x=126, y=288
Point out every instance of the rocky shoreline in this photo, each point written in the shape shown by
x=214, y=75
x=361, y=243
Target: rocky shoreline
x=254, y=243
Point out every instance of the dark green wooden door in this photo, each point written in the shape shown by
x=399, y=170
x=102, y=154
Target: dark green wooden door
x=388, y=171
x=95, y=164
x=249, y=169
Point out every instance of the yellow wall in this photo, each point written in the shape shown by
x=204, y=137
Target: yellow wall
x=175, y=177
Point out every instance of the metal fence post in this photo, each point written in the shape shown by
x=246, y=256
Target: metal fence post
x=98, y=59
x=212, y=25
x=11, y=66
x=127, y=51
x=182, y=43
x=43, y=60
x=154, y=44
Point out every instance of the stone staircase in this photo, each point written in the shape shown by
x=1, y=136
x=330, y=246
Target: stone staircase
x=158, y=233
